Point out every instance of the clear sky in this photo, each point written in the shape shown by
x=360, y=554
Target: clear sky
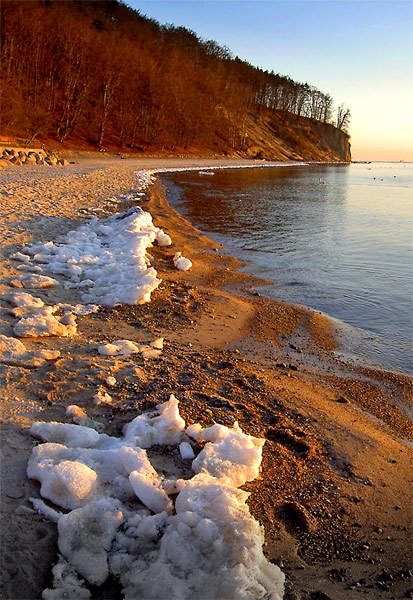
x=359, y=51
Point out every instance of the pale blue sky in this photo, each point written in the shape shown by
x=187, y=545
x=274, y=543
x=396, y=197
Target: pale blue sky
x=359, y=51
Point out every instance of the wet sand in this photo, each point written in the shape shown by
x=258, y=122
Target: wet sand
x=334, y=493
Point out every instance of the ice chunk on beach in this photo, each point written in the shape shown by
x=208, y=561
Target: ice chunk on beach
x=233, y=456
x=29, y=311
x=204, y=539
x=145, y=481
x=158, y=343
x=148, y=429
x=13, y=352
x=77, y=309
x=38, y=320
x=11, y=349
x=148, y=352
x=186, y=451
x=20, y=256
x=29, y=268
x=163, y=238
x=38, y=281
x=79, y=417
x=86, y=534
x=106, y=259
x=25, y=299
x=66, y=484
x=73, y=436
x=66, y=583
x=102, y=397
x=47, y=354
x=125, y=348
x=45, y=325
x=182, y=263
x=121, y=348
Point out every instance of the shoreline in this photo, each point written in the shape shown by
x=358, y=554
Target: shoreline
x=363, y=344
x=222, y=351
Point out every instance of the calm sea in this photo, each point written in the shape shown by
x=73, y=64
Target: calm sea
x=337, y=239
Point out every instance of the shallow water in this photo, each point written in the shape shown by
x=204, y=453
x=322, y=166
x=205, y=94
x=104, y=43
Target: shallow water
x=334, y=238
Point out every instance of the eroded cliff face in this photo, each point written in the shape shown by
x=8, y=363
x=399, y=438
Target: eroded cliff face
x=287, y=137
x=338, y=141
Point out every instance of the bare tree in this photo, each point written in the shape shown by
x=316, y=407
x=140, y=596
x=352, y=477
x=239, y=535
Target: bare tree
x=343, y=118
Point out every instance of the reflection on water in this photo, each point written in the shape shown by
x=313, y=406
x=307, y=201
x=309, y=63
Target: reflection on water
x=334, y=238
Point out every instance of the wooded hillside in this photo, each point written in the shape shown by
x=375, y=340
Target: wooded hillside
x=99, y=74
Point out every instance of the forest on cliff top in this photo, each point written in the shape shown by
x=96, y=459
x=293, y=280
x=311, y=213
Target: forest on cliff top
x=99, y=73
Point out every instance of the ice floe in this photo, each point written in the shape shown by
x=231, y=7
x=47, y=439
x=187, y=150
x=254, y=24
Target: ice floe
x=160, y=535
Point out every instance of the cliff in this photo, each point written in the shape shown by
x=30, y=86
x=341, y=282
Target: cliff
x=287, y=137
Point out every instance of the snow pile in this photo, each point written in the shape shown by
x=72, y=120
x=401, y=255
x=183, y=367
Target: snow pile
x=122, y=521
x=125, y=348
x=13, y=352
x=182, y=263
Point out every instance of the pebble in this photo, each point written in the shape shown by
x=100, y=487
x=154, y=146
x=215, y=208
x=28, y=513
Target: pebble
x=343, y=400
x=14, y=494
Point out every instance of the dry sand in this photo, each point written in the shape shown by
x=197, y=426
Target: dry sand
x=334, y=495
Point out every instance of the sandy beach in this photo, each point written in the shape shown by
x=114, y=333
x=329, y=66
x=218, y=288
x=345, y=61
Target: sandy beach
x=334, y=492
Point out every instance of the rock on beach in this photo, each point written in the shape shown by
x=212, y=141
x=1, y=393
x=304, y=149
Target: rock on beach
x=17, y=158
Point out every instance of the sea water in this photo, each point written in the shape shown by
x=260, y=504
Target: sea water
x=337, y=239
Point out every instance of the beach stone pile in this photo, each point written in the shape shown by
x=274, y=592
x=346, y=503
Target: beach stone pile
x=13, y=157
